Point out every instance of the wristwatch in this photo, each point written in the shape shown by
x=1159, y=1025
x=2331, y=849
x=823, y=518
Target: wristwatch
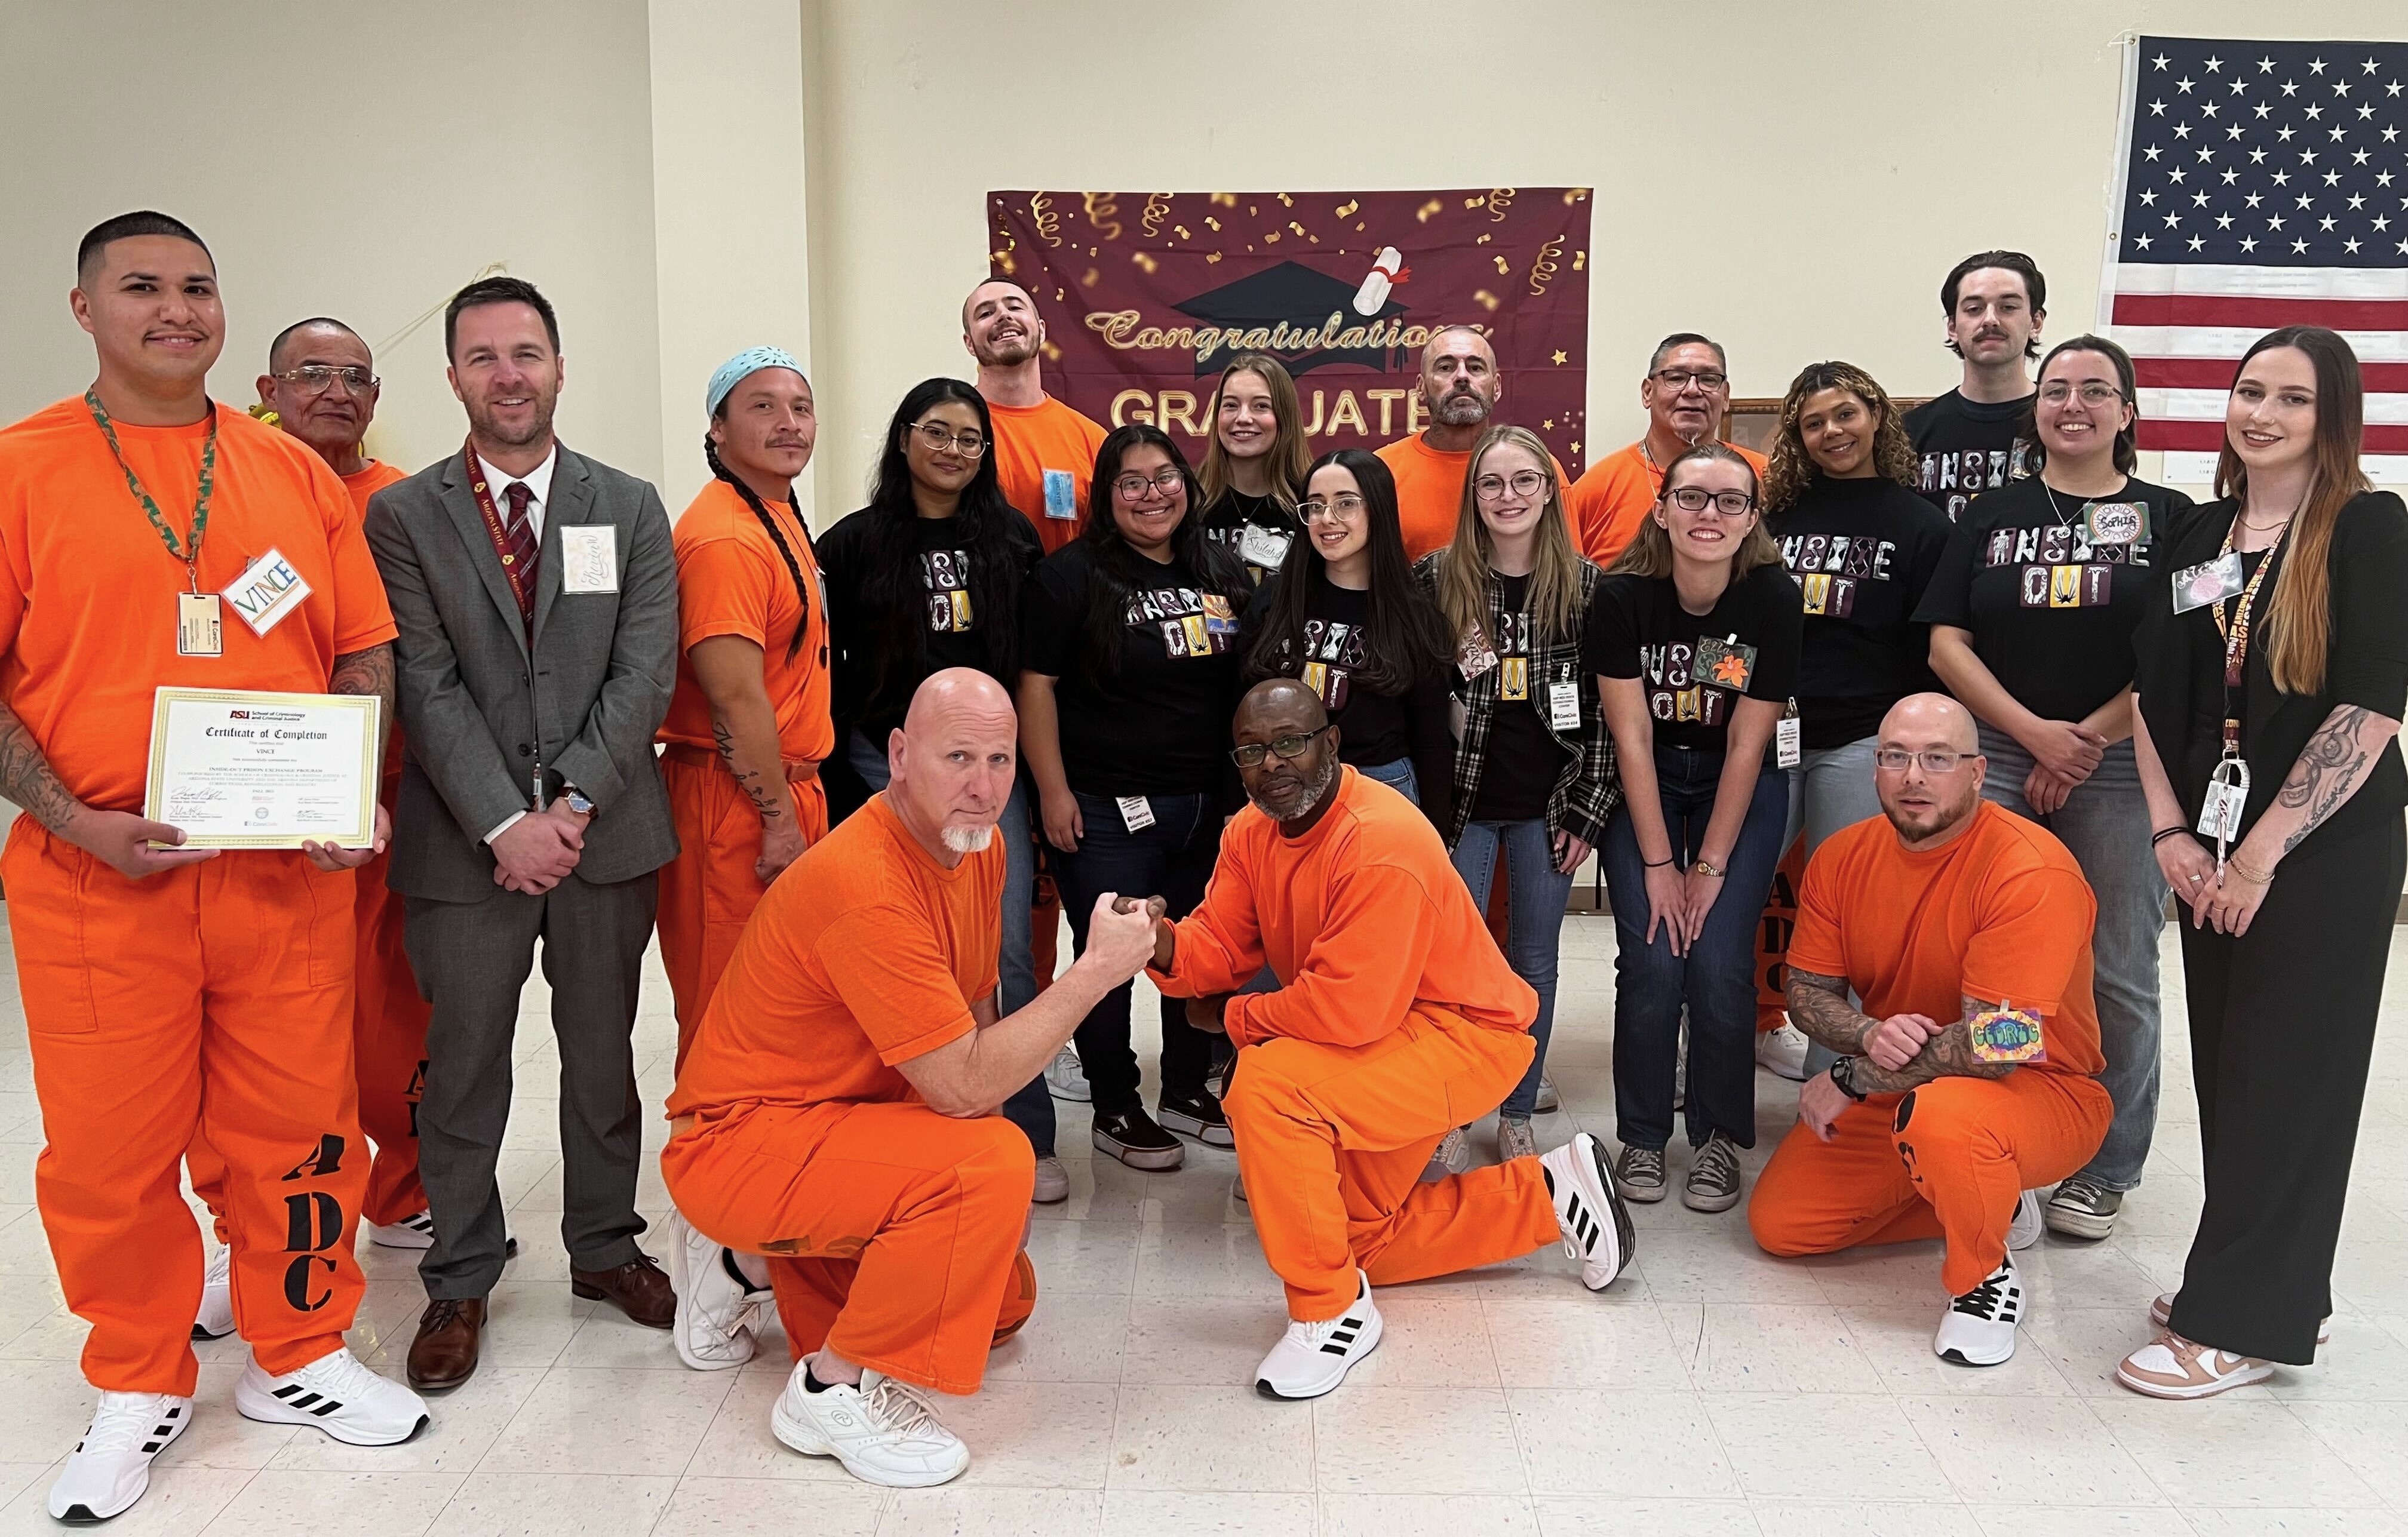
x=1707, y=866
x=1843, y=1078
x=577, y=801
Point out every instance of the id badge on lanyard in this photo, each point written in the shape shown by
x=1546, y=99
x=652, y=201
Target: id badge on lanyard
x=2227, y=795
x=1786, y=738
x=1563, y=703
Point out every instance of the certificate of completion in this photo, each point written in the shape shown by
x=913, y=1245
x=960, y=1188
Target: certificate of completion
x=235, y=770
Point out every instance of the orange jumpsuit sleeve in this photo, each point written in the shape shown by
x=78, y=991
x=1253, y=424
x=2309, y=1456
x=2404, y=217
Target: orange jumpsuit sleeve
x=1362, y=971
x=362, y=618
x=723, y=588
x=895, y=981
x=2028, y=940
x=1814, y=943
x=1220, y=944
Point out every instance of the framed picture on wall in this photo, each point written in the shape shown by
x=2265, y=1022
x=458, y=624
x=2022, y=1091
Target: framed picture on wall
x=1754, y=419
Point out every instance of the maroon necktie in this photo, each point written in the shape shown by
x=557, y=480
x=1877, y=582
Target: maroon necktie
x=519, y=535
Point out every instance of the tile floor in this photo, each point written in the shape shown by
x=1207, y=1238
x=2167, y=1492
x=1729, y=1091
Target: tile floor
x=1711, y=1392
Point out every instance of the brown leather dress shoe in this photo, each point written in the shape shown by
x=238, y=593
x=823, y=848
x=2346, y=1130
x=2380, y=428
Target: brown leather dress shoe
x=639, y=1289
x=444, y=1353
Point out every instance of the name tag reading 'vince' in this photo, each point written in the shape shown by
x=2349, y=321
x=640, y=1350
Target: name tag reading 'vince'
x=268, y=590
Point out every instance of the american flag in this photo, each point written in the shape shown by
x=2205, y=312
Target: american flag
x=2259, y=185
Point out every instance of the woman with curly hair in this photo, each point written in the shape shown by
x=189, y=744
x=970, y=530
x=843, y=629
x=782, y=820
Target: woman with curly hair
x=1840, y=500
x=2033, y=615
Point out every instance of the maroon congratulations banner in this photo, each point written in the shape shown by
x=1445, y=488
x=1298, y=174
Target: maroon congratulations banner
x=1147, y=296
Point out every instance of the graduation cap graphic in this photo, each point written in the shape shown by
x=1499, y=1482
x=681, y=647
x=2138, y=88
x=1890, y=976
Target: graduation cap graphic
x=1303, y=297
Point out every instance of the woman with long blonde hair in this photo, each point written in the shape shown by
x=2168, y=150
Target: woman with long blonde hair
x=1254, y=466
x=1533, y=768
x=2270, y=698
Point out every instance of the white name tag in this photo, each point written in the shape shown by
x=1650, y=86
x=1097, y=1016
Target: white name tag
x=197, y=630
x=1264, y=547
x=1563, y=706
x=588, y=557
x=1136, y=815
x=1786, y=739
x=2219, y=812
x=267, y=591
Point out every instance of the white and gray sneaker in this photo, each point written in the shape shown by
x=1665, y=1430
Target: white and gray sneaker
x=2079, y=1209
x=2024, y=1231
x=1596, y=1226
x=1639, y=1174
x=1515, y=1139
x=718, y=1307
x=1311, y=1360
x=1979, y=1327
x=1713, y=1182
x=414, y=1232
x=1451, y=1156
x=1782, y=1051
x=1066, y=1079
x=110, y=1467
x=1548, y=1100
x=884, y=1431
x=215, y=1320
x=338, y=1395
x=1053, y=1182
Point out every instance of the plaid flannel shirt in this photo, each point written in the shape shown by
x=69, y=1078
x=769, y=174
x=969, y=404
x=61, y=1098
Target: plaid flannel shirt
x=1588, y=788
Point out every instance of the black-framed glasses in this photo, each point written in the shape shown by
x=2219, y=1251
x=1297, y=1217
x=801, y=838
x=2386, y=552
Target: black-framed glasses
x=2056, y=392
x=317, y=378
x=1251, y=756
x=1522, y=483
x=1697, y=499
x=1936, y=761
x=939, y=437
x=1166, y=480
x=1680, y=379
x=1345, y=507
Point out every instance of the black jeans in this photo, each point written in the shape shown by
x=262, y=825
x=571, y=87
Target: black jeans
x=1172, y=859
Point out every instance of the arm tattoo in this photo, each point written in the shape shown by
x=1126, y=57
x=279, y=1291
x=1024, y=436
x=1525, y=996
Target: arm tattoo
x=763, y=798
x=1948, y=1054
x=368, y=672
x=1818, y=1005
x=2328, y=772
x=26, y=776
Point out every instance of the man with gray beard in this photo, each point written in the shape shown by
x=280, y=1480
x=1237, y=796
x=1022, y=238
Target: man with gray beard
x=1396, y=1020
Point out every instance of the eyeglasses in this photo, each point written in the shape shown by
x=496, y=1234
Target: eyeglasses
x=969, y=445
x=1165, y=481
x=1525, y=483
x=2056, y=392
x=316, y=379
x=1935, y=762
x=1694, y=498
x=1345, y=507
x=1680, y=379
x=1251, y=756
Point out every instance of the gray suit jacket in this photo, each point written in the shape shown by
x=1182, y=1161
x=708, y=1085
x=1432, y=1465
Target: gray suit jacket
x=479, y=713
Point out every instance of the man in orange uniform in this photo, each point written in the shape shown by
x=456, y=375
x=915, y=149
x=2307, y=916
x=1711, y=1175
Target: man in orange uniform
x=1396, y=1020
x=837, y=1114
x=1687, y=394
x=1971, y=1076
x=747, y=725
x=1460, y=388
x=1044, y=451
x=171, y=994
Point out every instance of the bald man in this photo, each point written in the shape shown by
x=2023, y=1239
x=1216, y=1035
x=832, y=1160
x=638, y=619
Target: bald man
x=835, y=1123
x=1971, y=1076
x=1044, y=451
x=1396, y=1020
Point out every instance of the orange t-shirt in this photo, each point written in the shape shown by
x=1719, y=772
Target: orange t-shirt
x=731, y=580
x=88, y=589
x=362, y=483
x=1605, y=504
x=866, y=953
x=1429, y=492
x=2000, y=912
x=1045, y=460
x=1363, y=919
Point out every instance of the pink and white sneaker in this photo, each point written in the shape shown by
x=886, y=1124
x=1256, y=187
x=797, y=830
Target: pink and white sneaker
x=2171, y=1367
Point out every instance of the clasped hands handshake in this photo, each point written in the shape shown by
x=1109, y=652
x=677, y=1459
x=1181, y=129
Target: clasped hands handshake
x=1125, y=936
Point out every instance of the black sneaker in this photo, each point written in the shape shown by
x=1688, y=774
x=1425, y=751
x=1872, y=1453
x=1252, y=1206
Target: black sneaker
x=1200, y=1118
x=1131, y=1136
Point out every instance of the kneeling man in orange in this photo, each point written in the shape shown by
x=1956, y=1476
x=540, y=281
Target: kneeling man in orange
x=1971, y=1076
x=836, y=1124
x=1396, y=1020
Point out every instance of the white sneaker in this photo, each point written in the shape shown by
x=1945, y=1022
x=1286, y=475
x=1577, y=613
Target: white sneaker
x=1782, y=1049
x=1979, y=1327
x=2161, y=1313
x=338, y=1395
x=1515, y=1139
x=2025, y=1230
x=1548, y=1100
x=1053, y=1182
x=884, y=1431
x=1312, y=1358
x=216, y=1319
x=2171, y=1367
x=110, y=1467
x=1451, y=1156
x=718, y=1307
x=1596, y=1226
x=1064, y=1079
x=414, y=1232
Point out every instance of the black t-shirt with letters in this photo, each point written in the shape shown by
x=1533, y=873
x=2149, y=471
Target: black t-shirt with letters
x=1523, y=759
x=1966, y=447
x=952, y=629
x=1862, y=552
x=2053, y=587
x=1159, y=723
x=1694, y=669
x=1226, y=521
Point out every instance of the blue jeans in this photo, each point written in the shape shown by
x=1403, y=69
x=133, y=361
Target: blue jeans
x=1536, y=893
x=1716, y=979
x=1171, y=859
x=1031, y=1109
x=1398, y=776
x=1831, y=787
x=2105, y=825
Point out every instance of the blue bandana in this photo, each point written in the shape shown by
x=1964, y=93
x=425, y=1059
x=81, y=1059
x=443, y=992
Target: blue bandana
x=734, y=371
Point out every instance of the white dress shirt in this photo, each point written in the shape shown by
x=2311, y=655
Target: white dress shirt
x=538, y=482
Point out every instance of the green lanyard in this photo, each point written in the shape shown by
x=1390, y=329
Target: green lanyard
x=189, y=550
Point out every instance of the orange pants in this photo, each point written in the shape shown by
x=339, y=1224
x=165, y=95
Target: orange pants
x=709, y=890
x=1332, y=1141
x=212, y=1001
x=893, y=1232
x=1945, y=1161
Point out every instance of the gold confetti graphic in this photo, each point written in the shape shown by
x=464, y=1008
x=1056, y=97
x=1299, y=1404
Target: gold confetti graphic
x=1286, y=201
x=1089, y=280
x=1572, y=195
x=1101, y=210
x=1180, y=230
x=1426, y=210
x=1041, y=209
x=1484, y=239
x=1212, y=224
x=1054, y=354
x=1211, y=258
x=1294, y=226
x=1003, y=261
x=1157, y=207
x=1503, y=266
x=1348, y=208
x=1500, y=199
x=1270, y=240
x=1542, y=267
x=1558, y=358
x=1226, y=200
x=1473, y=202
x=1483, y=298
x=1580, y=260
x=1145, y=261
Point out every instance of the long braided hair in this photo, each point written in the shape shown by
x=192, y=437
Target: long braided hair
x=777, y=535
